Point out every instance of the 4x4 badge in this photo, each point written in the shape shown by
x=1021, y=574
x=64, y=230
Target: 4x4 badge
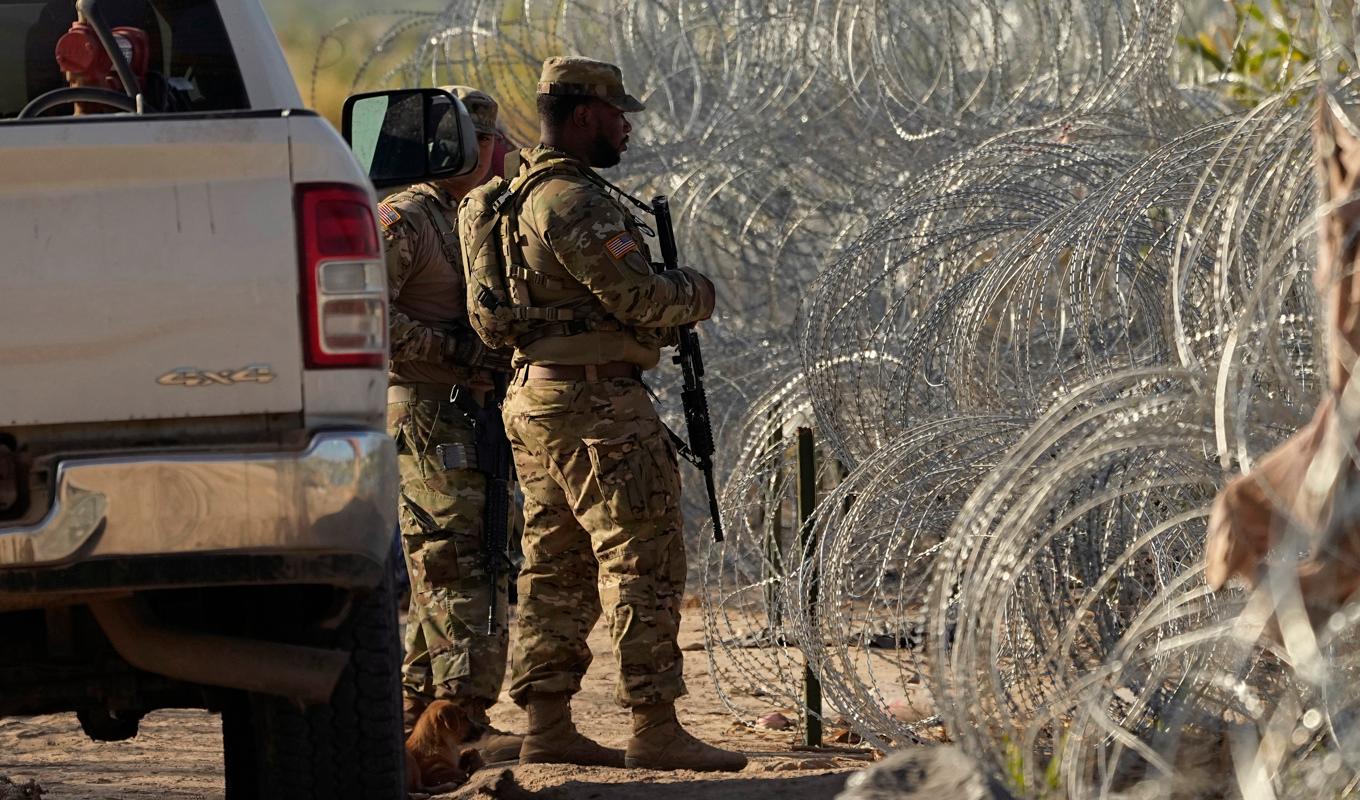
x=189, y=376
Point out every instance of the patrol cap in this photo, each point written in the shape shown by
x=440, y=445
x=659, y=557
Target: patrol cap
x=479, y=106
x=574, y=76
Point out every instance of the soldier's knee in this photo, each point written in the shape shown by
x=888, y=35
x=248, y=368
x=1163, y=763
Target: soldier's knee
x=645, y=551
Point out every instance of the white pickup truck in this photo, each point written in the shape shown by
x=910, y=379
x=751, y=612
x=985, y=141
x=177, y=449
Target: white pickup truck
x=197, y=497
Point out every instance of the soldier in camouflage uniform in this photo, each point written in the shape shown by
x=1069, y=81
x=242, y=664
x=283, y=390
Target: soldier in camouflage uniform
x=440, y=374
x=600, y=478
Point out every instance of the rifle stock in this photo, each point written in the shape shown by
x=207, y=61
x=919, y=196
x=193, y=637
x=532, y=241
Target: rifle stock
x=699, y=450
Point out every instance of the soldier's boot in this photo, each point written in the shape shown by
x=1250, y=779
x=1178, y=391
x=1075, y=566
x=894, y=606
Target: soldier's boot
x=412, y=706
x=494, y=744
x=553, y=739
x=660, y=743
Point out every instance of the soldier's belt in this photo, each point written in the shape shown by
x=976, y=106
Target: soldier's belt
x=407, y=392
x=441, y=392
x=583, y=372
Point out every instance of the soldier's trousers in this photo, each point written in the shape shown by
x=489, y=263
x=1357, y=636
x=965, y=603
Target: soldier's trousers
x=602, y=530
x=448, y=651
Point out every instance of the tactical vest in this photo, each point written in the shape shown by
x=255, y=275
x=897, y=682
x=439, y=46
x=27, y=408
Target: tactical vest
x=498, y=274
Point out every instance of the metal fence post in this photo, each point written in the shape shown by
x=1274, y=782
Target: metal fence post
x=807, y=503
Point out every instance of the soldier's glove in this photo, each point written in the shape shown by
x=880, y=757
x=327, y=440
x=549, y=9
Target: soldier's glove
x=657, y=337
x=706, y=294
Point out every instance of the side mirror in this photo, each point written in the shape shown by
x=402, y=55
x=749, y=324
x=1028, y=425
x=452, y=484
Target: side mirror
x=404, y=136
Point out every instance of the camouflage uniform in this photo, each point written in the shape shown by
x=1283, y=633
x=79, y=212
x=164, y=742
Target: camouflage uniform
x=439, y=372
x=598, y=471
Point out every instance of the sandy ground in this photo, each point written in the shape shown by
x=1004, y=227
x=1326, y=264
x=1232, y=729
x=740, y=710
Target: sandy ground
x=178, y=753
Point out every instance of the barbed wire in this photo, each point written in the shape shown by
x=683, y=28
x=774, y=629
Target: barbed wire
x=1037, y=294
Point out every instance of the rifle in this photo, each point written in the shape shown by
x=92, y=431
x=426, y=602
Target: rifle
x=495, y=461
x=699, y=449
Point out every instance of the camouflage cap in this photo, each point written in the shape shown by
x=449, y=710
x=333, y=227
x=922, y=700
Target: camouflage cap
x=479, y=106
x=574, y=76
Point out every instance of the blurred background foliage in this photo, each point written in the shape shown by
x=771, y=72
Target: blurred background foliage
x=325, y=78
x=1252, y=49
x=342, y=47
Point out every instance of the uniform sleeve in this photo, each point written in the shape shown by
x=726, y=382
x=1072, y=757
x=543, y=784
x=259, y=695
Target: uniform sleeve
x=588, y=233
x=411, y=340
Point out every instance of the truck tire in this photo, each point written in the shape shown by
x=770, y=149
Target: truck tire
x=350, y=747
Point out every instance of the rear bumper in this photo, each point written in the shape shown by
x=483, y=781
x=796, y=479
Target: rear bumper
x=324, y=514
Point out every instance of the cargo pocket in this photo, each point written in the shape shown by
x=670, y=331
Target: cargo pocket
x=435, y=561
x=634, y=480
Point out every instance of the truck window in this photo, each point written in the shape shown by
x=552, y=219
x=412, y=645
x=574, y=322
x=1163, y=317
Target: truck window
x=190, y=64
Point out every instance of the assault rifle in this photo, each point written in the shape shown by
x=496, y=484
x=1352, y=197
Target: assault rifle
x=495, y=461
x=699, y=449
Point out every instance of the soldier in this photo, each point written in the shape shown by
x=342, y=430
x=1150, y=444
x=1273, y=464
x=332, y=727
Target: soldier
x=599, y=474
x=441, y=373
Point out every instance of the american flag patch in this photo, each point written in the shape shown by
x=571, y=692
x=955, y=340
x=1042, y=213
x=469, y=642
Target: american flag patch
x=387, y=215
x=621, y=245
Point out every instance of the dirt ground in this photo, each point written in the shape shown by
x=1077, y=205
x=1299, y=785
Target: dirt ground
x=178, y=754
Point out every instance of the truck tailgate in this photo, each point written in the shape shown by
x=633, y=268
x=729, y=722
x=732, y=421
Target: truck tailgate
x=149, y=269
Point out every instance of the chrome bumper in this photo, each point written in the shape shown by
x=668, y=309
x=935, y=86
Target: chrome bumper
x=336, y=497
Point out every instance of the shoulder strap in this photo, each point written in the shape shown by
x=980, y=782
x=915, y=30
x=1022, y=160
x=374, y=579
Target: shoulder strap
x=448, y=235
x=520, y=185
x=611, y=191
x=516, y=265
x=507, y=206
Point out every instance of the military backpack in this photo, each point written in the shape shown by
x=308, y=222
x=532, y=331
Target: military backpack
x=494, y=267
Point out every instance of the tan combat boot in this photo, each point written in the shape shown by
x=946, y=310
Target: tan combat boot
x=553, y=739
x=412, y=706
x=494, y=744
x=660, y=743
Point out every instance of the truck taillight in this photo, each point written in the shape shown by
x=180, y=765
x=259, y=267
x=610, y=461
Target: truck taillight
x=343, y=278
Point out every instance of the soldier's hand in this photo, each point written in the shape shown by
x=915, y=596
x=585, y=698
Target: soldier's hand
x=707, y=293
x=463, y=348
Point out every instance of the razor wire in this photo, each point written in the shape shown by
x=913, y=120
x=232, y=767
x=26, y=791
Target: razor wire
x=1038, y=288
